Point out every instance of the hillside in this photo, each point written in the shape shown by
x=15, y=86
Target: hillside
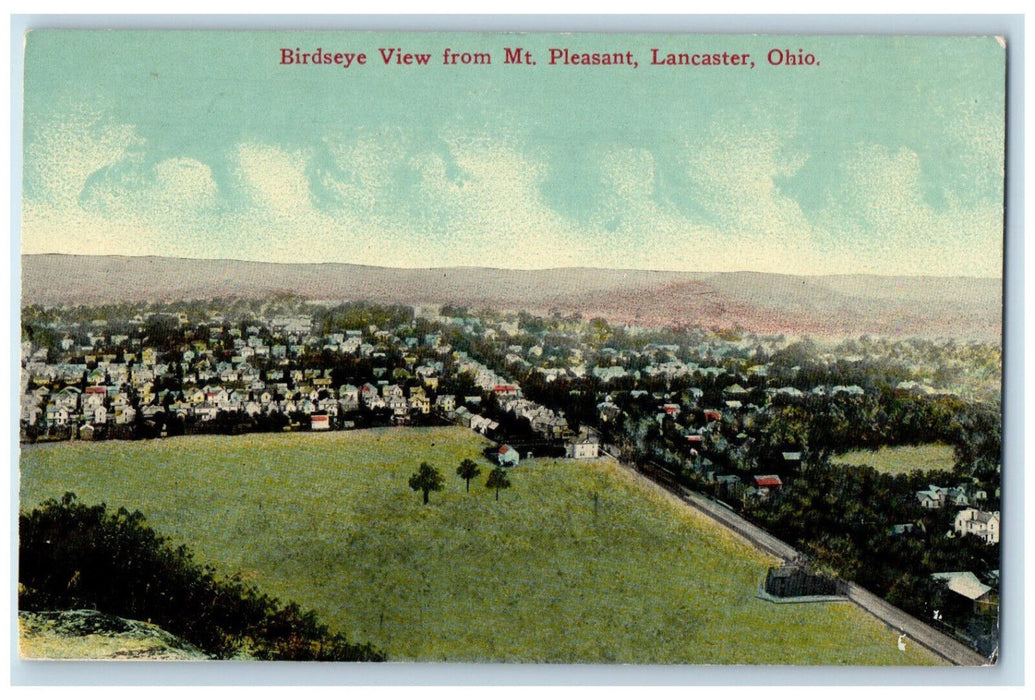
x=576, y=562
x=834, y=305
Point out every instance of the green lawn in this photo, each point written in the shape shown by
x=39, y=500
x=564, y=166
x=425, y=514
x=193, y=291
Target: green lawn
x=901, y=460
x=328, y=520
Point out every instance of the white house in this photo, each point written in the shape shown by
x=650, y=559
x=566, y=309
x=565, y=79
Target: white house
x=585, y=447
x=445, y=402
x=56, y=415
x=508, y=456
x=483, y=424
x=349, y=394
x=971, y=521
x=98, y=414
x=398, y=405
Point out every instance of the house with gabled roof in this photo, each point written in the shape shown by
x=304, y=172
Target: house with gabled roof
x=957, y=497
x=584, y=447
x=978, y=523
x=482, y=424
x=67, y=398
x=421, y=403
x=205, y=411
x=56, y=415
x=964, y=583
x=932, y=497
x=463, y=416
x=125, y=415
x=97, y=415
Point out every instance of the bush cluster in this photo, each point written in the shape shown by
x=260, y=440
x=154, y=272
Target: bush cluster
x=72, y=555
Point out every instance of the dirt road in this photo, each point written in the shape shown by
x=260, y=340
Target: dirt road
x=944, y=646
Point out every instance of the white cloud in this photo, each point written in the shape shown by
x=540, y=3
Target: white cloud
x=391, y=199
x=752, y=225
x=495, y=213
x=884, y=219
x=185, y=183
x=367, y=165
x=90, y=193
x=275, y=179
x=64, y=153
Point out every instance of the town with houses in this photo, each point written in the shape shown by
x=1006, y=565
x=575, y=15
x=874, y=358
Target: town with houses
x=754, y=422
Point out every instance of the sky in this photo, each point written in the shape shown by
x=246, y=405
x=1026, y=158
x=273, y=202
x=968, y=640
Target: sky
x=885, y=157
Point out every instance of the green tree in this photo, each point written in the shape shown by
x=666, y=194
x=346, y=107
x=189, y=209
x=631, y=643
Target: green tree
x=497, y=480
x=426, y=480
x=467, y=470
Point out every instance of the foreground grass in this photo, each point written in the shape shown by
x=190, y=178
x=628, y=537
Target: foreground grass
x=901, y=460
x=577, y=562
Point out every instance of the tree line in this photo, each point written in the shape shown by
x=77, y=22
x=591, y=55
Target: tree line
x=428, y=479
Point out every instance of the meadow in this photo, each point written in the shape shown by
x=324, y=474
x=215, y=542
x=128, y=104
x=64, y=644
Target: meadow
x=576, y=562
x=902, y=459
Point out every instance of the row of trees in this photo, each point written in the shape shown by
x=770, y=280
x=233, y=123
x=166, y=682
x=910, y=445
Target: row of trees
x=427, y=478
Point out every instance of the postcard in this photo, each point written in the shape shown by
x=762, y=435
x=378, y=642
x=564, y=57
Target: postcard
x=670, y=349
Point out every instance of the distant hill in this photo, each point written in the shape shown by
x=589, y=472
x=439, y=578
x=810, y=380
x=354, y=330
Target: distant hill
x=830, y=305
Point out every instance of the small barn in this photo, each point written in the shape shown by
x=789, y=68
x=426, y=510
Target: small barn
x=973, y=595
x=507, y=456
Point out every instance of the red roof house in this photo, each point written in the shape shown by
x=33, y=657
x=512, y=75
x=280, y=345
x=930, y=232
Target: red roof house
x=768, y=481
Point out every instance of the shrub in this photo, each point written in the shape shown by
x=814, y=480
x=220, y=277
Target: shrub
x=76, y=556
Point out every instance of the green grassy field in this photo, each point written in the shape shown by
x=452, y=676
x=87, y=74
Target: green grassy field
x=329, y=521
x=901, y=460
